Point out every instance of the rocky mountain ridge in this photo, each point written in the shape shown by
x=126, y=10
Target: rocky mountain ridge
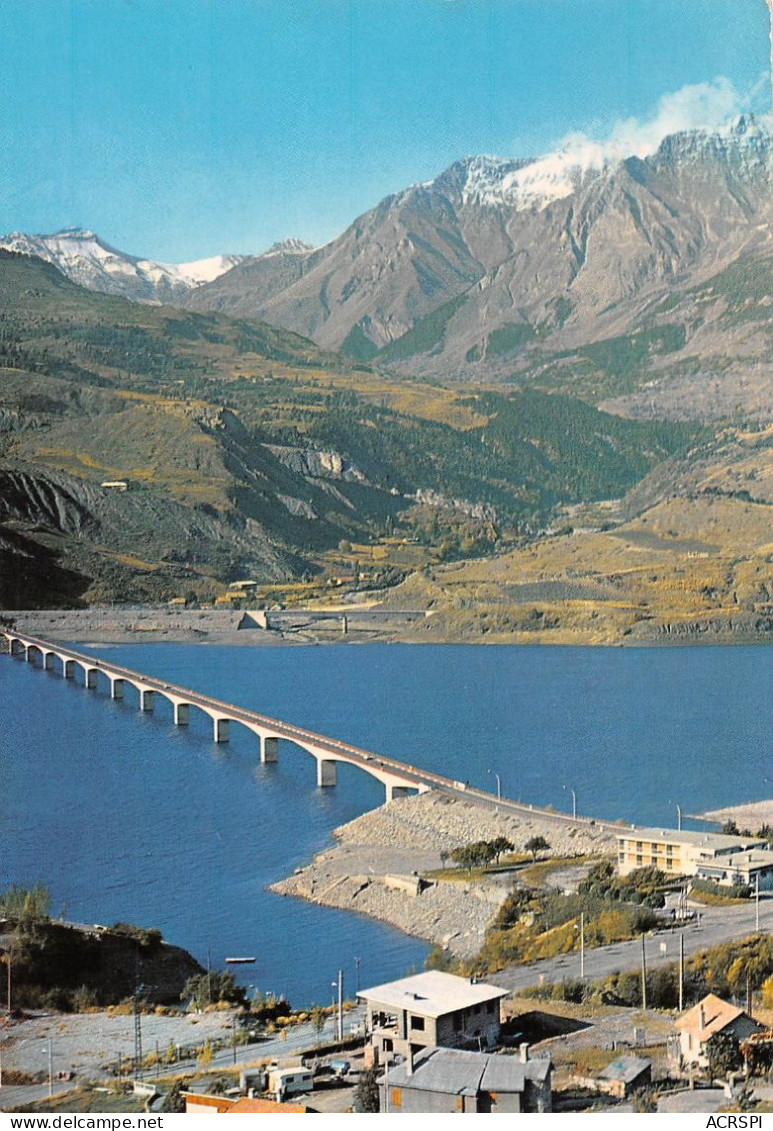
x=86, y=259
x=499, y=266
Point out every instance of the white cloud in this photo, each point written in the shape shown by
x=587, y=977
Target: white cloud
x=701, y=106
x=705, y=105
x=708, y=105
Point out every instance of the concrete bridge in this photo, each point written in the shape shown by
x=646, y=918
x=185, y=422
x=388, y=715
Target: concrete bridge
x=396, y=777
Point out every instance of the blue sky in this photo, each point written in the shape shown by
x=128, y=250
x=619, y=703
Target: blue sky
x=179, y=129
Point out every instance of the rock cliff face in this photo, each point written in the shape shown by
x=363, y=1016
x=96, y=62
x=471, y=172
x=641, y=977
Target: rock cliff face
x=496, y=262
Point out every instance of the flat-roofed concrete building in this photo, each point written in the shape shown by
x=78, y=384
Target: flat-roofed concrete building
x=431, y=1009
x=751, y=868
x=679, y=851
x=452, y=1080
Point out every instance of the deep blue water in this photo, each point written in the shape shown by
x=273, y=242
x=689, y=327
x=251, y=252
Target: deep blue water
x=125, y=816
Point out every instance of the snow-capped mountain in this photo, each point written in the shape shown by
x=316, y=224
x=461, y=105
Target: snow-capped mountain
x=495, y=257
x=88, y=260
x=498, y=264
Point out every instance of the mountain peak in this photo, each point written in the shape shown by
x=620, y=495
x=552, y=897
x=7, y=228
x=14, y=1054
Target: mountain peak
x=291, y=245
x=86, y=259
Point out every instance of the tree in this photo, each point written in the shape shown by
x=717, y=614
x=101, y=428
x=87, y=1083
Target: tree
x=367, y=1090
x=318, y=1020
x=746, y=972
x=499, y=845
x=535, y=845
x=767, y=992
x=206, y=989
x=723, y=1053
x=173, y=1100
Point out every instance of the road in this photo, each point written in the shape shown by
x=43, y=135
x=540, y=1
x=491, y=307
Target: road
x=411, y=776
x=716, y=925
x=298, y=1038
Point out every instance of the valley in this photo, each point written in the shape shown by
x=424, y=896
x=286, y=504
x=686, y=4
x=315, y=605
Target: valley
x=535, y=408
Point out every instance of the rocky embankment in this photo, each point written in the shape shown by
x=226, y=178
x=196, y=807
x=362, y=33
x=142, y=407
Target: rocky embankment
x=375, y=864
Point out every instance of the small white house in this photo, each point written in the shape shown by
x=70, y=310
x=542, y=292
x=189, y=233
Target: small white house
x=698, y=1025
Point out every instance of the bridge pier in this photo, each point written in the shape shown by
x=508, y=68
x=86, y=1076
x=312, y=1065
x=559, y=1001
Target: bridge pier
x=393, y=791
x=398, y=779
x=326, y=773
x=269, y=750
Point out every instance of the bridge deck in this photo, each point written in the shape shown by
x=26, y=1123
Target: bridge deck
x=377, y=765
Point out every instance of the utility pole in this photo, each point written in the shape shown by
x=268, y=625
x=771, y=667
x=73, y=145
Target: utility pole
x=757, y=903
x=137, y=1034
x=643, y=976
x=582, y=944
x=50, y=1067
x=681, y=971
x=357, y=973
x=340, y=1006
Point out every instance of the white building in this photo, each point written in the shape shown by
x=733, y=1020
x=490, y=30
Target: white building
x=431, y=1009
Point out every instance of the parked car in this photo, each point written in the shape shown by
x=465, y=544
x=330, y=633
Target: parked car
x=340, y=1067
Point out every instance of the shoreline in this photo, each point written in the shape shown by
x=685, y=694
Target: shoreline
x=367, y=622
x=373, y=867
x=748, y=814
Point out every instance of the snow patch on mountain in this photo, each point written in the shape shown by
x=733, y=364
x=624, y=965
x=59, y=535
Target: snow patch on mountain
x=523, y=184
x=86, y=259
x=291, y=246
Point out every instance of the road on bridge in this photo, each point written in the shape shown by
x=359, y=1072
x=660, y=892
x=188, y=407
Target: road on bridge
x=411, y=776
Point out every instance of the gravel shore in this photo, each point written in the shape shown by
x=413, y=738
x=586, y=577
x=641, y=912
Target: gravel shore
x=752, y=815
x=370, y=868
x=143, y=624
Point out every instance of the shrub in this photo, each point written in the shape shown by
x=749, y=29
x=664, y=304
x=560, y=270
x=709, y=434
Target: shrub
x=721, y=891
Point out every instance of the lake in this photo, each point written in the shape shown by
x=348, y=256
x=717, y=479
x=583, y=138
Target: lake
x=125, y=816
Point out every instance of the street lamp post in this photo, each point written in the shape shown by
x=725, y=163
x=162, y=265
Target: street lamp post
x=499, y=783
x=574, y=800
x=357, y=974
